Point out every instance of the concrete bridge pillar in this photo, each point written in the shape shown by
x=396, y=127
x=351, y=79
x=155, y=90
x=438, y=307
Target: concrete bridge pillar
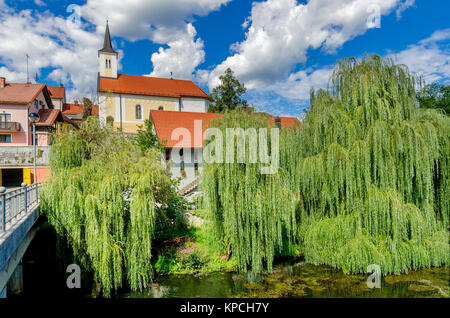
x=15, y=283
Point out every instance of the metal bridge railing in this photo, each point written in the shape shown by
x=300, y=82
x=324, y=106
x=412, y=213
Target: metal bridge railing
x=16, y=203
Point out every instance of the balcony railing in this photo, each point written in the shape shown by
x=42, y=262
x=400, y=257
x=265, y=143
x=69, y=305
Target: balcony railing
x=9, y=126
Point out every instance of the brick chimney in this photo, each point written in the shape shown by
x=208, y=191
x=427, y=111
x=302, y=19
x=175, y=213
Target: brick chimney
x=2, y=82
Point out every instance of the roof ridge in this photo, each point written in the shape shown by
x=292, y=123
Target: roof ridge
x=155, y=77
x=180, y=112
x=151, y=86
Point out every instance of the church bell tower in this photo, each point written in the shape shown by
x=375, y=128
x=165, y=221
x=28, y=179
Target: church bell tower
x=107, y=57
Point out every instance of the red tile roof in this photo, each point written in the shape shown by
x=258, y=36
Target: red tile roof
x=47, y=117
x=57, y=92
x=167, y=121
x=69, y=121
x=287, y=121
x=76, y=109
x=150, y=86
x=20, y=94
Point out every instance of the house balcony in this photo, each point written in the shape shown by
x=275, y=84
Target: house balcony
x=9, y=126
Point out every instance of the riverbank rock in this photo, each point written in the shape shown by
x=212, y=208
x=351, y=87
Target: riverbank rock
x=193, y=220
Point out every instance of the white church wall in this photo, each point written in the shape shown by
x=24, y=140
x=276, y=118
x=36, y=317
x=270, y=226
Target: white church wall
x=191, y=104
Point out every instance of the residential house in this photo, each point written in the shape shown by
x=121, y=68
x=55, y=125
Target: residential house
x=165, y=123
x=126, y=100
x=75, y=111
x=58, y=96
x=17, y=101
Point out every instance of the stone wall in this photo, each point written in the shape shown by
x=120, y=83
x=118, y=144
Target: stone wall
x=23, y=157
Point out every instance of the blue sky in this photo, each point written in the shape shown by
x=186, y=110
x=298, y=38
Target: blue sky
x=278, y=48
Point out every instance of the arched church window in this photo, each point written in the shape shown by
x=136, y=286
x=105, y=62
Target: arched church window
x=138, y=112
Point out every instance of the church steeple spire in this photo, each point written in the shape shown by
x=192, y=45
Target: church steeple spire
x=107, y=47
x=107, y=57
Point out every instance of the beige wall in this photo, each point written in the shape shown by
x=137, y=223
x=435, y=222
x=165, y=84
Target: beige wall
x=108, y=72
x=110, y=106
x=128, y=127
x=110, y=103
x=43, y=139
x=147, y=103
x=104, y=71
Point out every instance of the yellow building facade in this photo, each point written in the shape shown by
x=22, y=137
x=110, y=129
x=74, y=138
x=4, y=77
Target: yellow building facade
x=130, y=111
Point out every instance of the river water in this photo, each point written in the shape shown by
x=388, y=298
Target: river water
x=299, y=279
x=45, y=275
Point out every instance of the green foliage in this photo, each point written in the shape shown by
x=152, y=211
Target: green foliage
x=68, y=150
x=109, y=201
x=371, y=172
x=364, y=180
x=198, y=255
x=199, y=201
x=435, y=96
x=201, y=213
x=395, y=235
x=146, y=139
x=227, y=96
x=253, y=213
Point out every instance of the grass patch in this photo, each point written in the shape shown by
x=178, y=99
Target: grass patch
x=190, y=253
x=201, y=213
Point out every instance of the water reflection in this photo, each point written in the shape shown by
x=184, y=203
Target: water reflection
x=44, y=275
x=300, y=280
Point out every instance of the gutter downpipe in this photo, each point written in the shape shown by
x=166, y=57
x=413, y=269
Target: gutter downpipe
x=120, y=98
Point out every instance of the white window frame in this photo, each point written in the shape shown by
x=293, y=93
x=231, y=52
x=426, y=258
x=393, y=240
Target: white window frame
x=4, y=115
x=138, y=111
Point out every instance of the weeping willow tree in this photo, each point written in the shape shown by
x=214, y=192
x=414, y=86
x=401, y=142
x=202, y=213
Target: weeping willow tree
x=364, y=180
x=253, y=213
x=371, y=171
x=106, y=198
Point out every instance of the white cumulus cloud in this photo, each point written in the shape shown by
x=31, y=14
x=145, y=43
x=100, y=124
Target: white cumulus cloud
x=181, y=58
x=161, y=21
x=280, y=32
x=70, y=50
x=51, y=42
x=428, y=58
